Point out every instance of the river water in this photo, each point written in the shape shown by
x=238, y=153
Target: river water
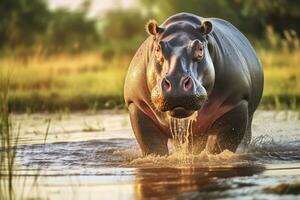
x=95, y=156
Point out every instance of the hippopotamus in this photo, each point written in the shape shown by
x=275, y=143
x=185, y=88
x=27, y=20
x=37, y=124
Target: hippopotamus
x=187, y=65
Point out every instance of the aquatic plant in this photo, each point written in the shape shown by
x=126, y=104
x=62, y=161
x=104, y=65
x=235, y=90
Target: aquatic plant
x=285, y=188
x=9, y=138
x=7, y=144
x=88, y=127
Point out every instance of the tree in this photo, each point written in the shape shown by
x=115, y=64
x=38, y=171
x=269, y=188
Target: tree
x=122, y=31
x=70, y=31
x=22, y=21
x=251, y=16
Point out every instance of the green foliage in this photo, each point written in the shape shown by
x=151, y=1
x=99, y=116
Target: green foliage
x=251, y=17
x=206, y=8
x=29, y=26
x=22, y=21
x=70, y=31
x=122, y=31
x=122, y=24
x=280, y=14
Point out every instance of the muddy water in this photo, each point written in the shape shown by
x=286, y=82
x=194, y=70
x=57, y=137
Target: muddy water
x=96, y=157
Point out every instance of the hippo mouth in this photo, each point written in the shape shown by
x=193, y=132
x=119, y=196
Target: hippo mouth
x=179, y=106
x=180, y=112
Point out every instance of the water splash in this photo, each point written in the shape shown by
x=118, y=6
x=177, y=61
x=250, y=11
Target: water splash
x=204, y=159
x=182, y=135
x=183, y=155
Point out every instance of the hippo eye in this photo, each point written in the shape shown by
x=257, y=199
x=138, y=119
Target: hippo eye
x=157, y=49
x=160, y=60
x=199, y=51
x=158, y=55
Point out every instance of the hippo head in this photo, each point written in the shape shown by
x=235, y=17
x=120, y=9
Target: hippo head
x=180, y=74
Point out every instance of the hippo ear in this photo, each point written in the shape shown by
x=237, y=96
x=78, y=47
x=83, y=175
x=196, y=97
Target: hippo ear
x=206, y=27
x=152, y=28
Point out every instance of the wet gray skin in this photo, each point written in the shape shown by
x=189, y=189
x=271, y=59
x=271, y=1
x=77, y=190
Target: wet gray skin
x=190, y=64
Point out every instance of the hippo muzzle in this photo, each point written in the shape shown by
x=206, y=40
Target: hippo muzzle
x=180, y=96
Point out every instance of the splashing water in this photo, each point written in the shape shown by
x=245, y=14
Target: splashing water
x=182, y=135
x=178, y=159
x=182, y=138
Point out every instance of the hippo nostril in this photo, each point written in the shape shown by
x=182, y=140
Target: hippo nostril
x=166, y=85
x=187, y=83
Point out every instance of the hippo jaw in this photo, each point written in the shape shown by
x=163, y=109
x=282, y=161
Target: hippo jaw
x=180, y=112
x=178, y=106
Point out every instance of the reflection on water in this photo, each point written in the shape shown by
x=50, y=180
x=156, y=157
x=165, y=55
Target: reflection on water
x=170, y=182
x=114, y=169
x=108, y=164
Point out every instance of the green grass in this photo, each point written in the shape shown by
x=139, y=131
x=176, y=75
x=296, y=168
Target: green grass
x=60, y=82
x=282, y=79
x=88, y=82
x=9, y=138
x=8, y=141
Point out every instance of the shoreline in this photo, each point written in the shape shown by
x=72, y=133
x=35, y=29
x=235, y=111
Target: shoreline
x=36, y=103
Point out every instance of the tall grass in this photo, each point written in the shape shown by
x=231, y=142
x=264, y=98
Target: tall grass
x=7, y=144
x=9, y=138
x=282, y=78
x=82, y=81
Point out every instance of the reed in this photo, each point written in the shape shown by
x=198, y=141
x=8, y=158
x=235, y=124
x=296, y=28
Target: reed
x=8, y=143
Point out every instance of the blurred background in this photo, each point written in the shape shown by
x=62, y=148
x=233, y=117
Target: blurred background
x=65, y=55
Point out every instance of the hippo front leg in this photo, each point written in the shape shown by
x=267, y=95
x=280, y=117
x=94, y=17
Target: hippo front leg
x=230, y=129
x=150, y=138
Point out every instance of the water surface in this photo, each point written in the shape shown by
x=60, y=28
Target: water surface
x=95, y=156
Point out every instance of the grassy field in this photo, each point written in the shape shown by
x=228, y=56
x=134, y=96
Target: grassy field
x=282, y=79
x=59, y=82
x=86, y=81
